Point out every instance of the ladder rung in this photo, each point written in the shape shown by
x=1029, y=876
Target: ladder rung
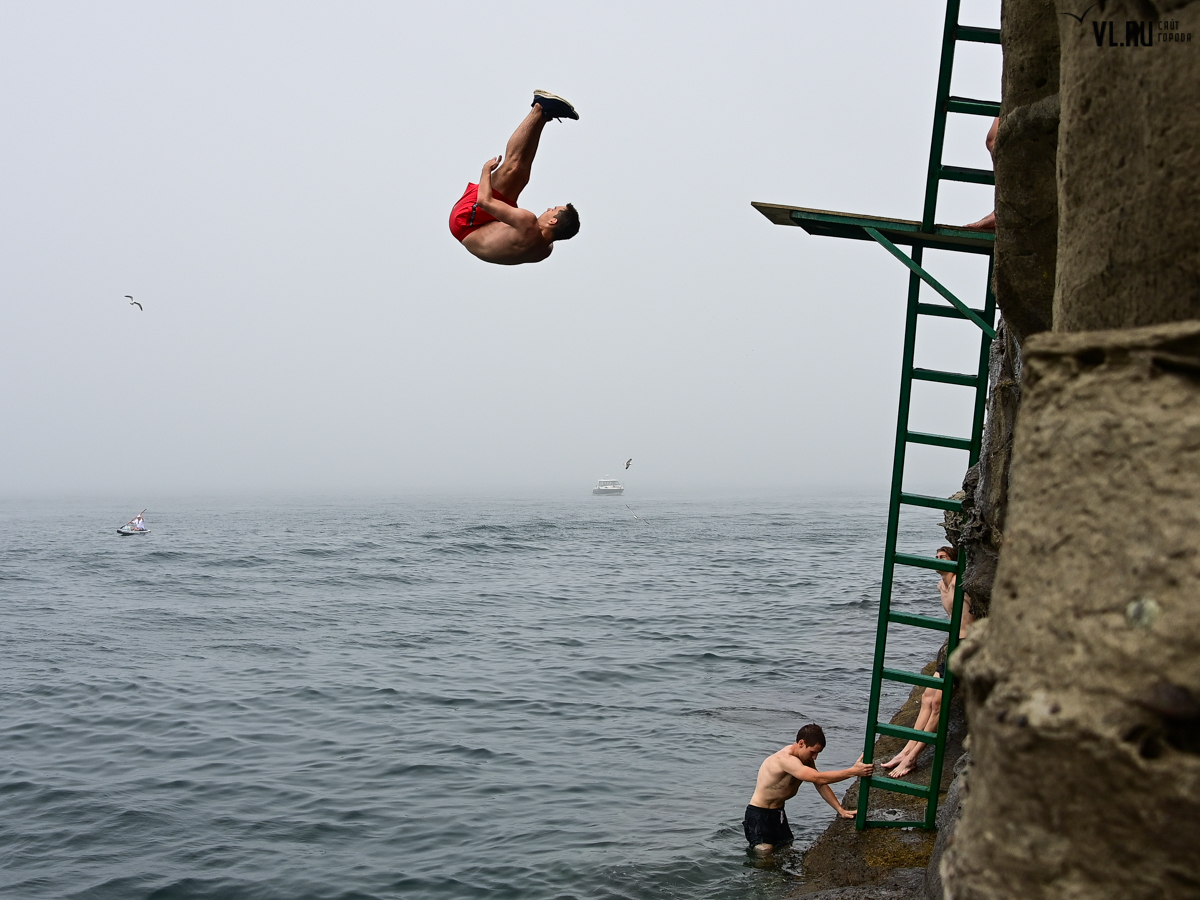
x=925, y=562
x=931, y=502
x=978, y=35
x=946, y=312
x=972, y=107
x=919, y=621
x=939, y=440
x=929, y=681
x=909, y=734
x=889, y=823
x=946, y=377
x=962, y=173
x=900, y=787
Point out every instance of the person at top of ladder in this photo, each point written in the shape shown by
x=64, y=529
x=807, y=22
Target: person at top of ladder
x=486, y=219
x=779, y=778
x=931, y=700
x=988, y=222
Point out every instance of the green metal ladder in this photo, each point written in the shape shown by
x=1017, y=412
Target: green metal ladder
x=978, y=382
x=920, y=236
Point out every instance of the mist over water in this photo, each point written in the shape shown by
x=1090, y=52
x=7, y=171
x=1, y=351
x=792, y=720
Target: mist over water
x=432, y=699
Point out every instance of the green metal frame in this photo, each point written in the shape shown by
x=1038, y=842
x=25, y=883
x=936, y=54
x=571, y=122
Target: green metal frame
x=932, y=282
x=919, y=236
x=892, y=558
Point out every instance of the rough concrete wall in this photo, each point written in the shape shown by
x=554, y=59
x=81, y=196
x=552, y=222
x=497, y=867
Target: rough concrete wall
x=1128, y=170
x=1084, y=684
x=1024, y=157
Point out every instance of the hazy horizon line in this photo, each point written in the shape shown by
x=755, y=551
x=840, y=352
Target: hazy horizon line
x=515, y=495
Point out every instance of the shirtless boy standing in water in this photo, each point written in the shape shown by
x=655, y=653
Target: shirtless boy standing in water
x=780, y=777
x=486, y=218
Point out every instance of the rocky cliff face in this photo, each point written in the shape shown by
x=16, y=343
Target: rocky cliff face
x=1084, y=684
x=980, y=527
x=1128, y=164
x=1025, y=163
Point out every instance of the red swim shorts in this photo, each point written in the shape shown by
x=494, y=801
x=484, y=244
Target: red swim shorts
x=467, y=216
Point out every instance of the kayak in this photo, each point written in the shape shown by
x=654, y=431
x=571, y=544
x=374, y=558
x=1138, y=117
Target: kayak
x=126, y=531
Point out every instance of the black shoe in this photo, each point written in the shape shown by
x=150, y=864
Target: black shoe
x=553, y=107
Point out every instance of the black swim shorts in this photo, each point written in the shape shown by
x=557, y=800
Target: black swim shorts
x=767, y=826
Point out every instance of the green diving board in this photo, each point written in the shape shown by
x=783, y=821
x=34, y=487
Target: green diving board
x=825, y=223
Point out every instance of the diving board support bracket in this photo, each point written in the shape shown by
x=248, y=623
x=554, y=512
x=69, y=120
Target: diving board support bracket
x=931, y=281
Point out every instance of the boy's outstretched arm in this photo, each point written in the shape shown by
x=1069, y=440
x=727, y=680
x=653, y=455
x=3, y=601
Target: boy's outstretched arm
x=829, y=797
x=807, y=773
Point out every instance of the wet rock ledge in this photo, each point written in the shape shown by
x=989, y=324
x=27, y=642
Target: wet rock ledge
x=891, y=863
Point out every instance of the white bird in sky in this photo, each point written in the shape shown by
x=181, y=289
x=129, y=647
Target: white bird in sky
x=133, y=302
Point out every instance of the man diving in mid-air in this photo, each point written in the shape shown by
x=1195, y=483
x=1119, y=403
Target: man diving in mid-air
x=487, y=221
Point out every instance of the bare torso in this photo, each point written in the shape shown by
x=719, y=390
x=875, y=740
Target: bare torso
x=946, y=589
x=946, y=586
x=775, y=785
x=505, y=245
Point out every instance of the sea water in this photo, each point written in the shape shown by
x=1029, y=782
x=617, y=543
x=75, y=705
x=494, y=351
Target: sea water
x=427, y=699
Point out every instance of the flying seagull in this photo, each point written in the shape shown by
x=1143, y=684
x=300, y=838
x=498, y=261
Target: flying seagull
x=1078, y=19
x=133, y=302
x=628, y=462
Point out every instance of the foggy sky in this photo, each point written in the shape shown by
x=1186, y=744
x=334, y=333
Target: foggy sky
x=272, y=181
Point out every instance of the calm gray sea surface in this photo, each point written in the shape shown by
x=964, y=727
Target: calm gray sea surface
x=527, y=699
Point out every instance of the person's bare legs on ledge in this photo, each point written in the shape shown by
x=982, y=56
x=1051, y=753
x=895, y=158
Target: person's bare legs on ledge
x=988, y=222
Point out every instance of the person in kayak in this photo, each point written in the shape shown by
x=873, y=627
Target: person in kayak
x=486, y=219
x=139, y=524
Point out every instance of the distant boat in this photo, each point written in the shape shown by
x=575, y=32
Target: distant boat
x=136, y=525
x=608, y=487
